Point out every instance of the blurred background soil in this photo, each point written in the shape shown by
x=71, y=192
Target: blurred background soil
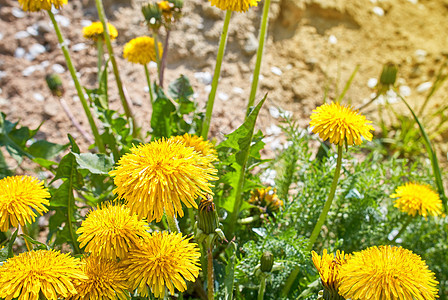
x=312, y=49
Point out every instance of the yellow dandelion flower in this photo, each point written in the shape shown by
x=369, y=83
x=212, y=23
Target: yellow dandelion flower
x=141, y=50
x=234, y=5
x=197, y=142
x=413, y=198
x=106, y=280
x=340, y=124
x=387, y=272
x=328, y=267
x=162, y=260
x=266, y=197
x=43, y=271
x=96, y=30
x=165, y=6
x=37, y=5
x=160, y=176
x=110, y=231
x=20, y=198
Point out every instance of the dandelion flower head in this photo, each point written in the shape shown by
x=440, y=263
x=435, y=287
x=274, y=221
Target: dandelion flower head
x=414, y=198
x=43, y=271
x=328, y=266
x=159, y=176
x=340, y=124
x=162, y=260
x=197, y=142
x=234, y=5
x=106, y=280
x=95, y=31
x=387, y=272
x=20, y=198
x=141, y=50
x=266, y=197
x=37, y=5
x=110, y=231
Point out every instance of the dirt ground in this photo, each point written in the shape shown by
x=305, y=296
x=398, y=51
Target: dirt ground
x=313, y=47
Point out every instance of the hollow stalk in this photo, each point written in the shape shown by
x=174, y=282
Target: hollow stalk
x=164, y=55
x=148, y=79
x=262, y=287
x=71, y=68
x=210, y=275
x=262, y=39
x=211, y=97
x=27, y=243
x=156, y=45
x=99, y=47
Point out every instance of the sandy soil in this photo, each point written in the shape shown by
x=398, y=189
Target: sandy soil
x=313, y=47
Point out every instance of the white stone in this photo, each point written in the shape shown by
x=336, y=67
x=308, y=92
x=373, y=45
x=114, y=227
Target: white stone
x=276, y=71
x=204, y=77
x=1, y=36
x=413, y=1
x=378, y=11
x=238, y=90
x=2, y=74
x=44, y=64
x=405, y=91
x=79, y=47
x=152, y=64
x=85, y=23
x=57, y=68
x=273, y=130
x=332, y=39
x=423, y=87
x=421, y=53
x=39, y=97
x=223, y=96
x=372, y=82
x=21, y=35
x=29, y=70
x=275, y=113
x=19, y=52
x=207, y=88
x=32, y=30
x=18, y=13
x=63, y=21
x=36, y=49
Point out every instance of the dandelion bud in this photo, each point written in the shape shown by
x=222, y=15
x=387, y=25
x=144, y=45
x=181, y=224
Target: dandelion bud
x=389, y=74
x=208, y=218
x=54, y=83
x=267, y=261
x=153, y=15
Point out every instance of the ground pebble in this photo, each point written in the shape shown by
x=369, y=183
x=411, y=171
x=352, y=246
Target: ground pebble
x=237, y=90
x=63, y=21
x=276, y=71
x=79, y=47
x=204, y=77
x=57, y=68
x=275, y=113
x=371, y=83
x=223, y=96
x=37, y=49
x=424, y=87
x=21, y=35
x=1, y=36
x=85, y=23
x=19, y=52
x=332, y=39
x=17, y=12
x=29, y=70
x=32, y=30
x=38, y=97
x=378, y=11
x=405, y=91
x=273, y=130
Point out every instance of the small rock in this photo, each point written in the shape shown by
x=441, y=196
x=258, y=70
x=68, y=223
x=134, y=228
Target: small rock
x=276, y=71
x=19, y=53
x=275, y=113
x=21, y=35
x=372, y=82
x=37, y=49
x=332, y=40
x=223, y=96
x=85, y=23
x=51, y=108
x=39, y=97
x=273, y=130
x=378, y=11
x=405, y=91
x=251, y=45
x=57, y=68
x=29, y=70
x=1, y=36
x=18, y=13
x=79, y=47
x=238, y=90
x=420, y=56
x=43, y=27
x=413, y=1
x=423, y=87
x=2, y=74
x=63, y=21
x=152, y=64
x=32, y=30
x=204, y=77
x=44, y=64
x=207, y=88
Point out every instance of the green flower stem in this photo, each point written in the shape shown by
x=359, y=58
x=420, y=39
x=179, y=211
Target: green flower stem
x=27, y=243
x=210, y=275
x=262, y=287
x=262, y=38
x=320, y=222
x=149, y=84
x=211, y=97
x=124, y=101
x=99, y=47
x=403, y=227
x=164, y=55
x=324, y=213
x=172, y=223
x=71, y=68
x=156, y=45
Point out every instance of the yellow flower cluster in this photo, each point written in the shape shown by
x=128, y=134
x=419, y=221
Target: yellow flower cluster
x=414, y=198
x=141, y=50
x=95, y=31
x=37, y=5
x=266, y=198
x=234, y=5
x=376, y=273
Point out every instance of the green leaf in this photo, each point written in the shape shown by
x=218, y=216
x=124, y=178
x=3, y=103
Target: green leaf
x=45, y=150
x=11, y=243
x=4, y=169
x=3, y=254
x=230, y=271
x=67, y=169
x=180, y=88
x=40, y=246
x=95, y=163
x=161, y=119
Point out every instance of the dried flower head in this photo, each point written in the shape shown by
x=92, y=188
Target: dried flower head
x=141, y=50
x=162, y=260
x=328, y=267
x=106, y=280
x=159, y=176
x=387, y=272
x=20, y=198
x=413, y=198
x=43, y=271
x=234, y=5
x=340, y=124
x=110, y=231
x=95, y=31
x=37, y=5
